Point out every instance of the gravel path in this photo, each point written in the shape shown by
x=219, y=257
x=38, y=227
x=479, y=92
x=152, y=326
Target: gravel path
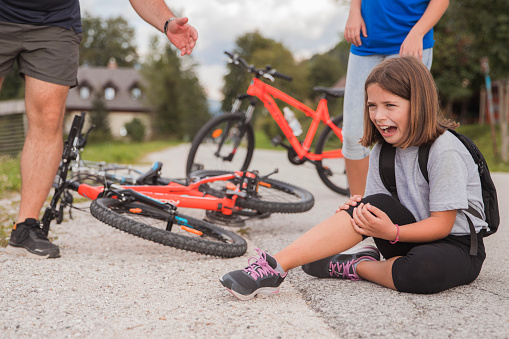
x=111, y=284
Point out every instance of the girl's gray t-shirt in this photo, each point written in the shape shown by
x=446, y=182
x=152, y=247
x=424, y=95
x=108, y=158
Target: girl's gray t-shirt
x=454, y=182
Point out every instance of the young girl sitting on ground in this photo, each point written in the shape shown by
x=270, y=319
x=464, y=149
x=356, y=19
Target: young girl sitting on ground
x=425, y=236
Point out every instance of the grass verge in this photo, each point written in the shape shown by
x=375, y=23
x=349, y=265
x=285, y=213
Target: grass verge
x=124, y=153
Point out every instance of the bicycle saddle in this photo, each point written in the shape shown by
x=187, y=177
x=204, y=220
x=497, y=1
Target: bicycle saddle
x=150, y=177
x=335, y=92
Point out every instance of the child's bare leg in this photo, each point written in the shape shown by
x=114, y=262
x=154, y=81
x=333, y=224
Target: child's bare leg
x=379, y=272
x=330, y=237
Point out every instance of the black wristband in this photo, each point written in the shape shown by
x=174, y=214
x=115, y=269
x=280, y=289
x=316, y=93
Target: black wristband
x=167, y=23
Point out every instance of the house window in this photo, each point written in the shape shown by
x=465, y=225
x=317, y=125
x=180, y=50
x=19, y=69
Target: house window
x=84, y=92
x=109, y=93
x=135, y=93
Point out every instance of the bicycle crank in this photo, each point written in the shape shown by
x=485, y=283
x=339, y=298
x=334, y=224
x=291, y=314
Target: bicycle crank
x=294, y=158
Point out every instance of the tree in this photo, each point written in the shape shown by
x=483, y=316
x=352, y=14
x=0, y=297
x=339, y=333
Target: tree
x=455, y=66
x=99, y=118
x=13, y=86
x=488, y=22
x=327, y=68
x=174, y=93
x=104, y=39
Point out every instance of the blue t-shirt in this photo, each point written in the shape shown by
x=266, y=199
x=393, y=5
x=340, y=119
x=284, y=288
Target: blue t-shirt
x=388, y=22
x=61, y=13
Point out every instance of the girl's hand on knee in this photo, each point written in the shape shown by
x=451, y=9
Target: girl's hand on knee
x=353, y=201
x=370, y=221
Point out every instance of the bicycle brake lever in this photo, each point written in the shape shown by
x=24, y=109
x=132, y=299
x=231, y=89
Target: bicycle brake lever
x=273, y=172
x=268, y=76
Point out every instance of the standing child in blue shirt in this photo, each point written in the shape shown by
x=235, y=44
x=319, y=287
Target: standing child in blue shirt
x=424, y=237
x=380, y=29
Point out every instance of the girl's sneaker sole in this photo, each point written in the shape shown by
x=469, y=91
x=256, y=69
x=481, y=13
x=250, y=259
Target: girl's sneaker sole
x=263, y=291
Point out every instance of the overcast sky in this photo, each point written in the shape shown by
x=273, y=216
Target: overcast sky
x=304, y=27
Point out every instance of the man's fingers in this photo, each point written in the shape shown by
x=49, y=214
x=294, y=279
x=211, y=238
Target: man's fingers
x=181, y=21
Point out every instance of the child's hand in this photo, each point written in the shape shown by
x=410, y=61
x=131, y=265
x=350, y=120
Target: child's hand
x=351, y=202
x=371, y=221
x=355, y=26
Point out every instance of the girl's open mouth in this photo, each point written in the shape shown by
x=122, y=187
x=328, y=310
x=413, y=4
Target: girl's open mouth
x=388, y=131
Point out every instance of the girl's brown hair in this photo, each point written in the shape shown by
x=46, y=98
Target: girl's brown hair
x=408, y=78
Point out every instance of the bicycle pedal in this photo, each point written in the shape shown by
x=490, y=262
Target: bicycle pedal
x=277, y=140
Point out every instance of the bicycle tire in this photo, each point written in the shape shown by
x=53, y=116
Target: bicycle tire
x=140, y=219
x=332, y=171
x=204, y=149
x=279, y=197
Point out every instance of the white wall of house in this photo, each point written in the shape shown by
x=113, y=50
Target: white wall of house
x=117, y=121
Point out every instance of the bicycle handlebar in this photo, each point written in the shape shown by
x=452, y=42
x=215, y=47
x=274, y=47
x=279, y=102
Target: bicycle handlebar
x=268, y=72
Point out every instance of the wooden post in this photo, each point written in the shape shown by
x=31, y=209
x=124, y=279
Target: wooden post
x=503, y=94
x=482, y=107
x=486, y=69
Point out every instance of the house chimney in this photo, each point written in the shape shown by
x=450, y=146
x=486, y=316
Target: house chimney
x=112, y=64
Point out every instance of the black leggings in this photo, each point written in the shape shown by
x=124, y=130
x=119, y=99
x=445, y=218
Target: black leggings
x=426, y=267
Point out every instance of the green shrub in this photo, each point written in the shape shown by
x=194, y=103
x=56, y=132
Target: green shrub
x=135, y=130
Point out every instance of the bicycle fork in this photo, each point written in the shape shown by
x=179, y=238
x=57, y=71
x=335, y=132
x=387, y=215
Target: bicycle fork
x=242, y=129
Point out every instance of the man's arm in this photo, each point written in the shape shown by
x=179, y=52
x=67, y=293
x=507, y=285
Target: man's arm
x=179, y=32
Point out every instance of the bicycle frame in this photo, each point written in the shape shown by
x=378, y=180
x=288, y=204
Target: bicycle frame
x=266, y=93
x=178, y=195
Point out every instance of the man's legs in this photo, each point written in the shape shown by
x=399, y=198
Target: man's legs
x=45, y=107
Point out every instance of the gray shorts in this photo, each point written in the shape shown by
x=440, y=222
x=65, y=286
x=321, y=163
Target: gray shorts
x=359, y=68
x=47, y=53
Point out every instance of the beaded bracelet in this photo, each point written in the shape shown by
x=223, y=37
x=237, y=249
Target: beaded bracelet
x=397, y=236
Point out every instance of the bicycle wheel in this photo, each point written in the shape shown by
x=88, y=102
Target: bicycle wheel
x=150, y=223
x=271, y=196
x=224, y=143
x=332, y=170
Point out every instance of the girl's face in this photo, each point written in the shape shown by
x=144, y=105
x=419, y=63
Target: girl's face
x=389, y=113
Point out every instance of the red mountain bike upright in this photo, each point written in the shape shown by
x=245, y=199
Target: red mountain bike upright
x=227, y=141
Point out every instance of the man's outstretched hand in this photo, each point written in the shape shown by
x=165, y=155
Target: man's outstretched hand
x=182, y=35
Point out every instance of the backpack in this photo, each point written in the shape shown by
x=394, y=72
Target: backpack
x=489, y=193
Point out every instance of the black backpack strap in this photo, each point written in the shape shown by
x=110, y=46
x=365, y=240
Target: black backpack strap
x=386, y=168
x=423, y=160
x=423, y=165
x=473, y=237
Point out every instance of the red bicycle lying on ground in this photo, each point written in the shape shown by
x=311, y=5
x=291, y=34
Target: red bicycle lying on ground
x=147, y=206
x=227, y=141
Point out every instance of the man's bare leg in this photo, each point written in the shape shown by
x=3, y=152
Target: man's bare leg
x=45, y=107
x=357, y=172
